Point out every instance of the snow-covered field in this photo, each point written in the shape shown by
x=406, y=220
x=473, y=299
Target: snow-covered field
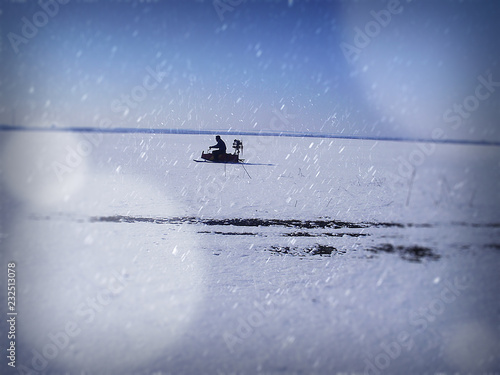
x=319, y=256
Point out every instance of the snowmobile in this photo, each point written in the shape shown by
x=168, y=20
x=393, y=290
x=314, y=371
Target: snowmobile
x=225, y=158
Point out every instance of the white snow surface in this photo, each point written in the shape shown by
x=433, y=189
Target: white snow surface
x=133, y=259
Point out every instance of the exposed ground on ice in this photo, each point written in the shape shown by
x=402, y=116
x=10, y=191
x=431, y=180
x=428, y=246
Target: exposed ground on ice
x=280, y=228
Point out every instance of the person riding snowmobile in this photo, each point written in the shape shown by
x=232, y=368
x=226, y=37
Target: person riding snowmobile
x=220, y=148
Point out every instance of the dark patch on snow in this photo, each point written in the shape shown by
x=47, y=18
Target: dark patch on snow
x=477, y=225
x=256, y=222
x=240, y=222
x=307, y=224
x=302, y=234
x=413, y=253
x=386, y=225
x=494, y=246
x=292, y=234
x=230, y=233
x=485, y=225
x=317, y=249
x=411, y=225
x=328, y=234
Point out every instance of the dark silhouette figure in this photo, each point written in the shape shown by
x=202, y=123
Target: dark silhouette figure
x=220, y=148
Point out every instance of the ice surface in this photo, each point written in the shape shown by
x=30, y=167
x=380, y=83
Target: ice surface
x=328, y=256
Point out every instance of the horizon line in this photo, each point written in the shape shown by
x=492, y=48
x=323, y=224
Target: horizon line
x=82, y=129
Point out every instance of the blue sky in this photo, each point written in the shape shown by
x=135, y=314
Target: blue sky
x=255, y=65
